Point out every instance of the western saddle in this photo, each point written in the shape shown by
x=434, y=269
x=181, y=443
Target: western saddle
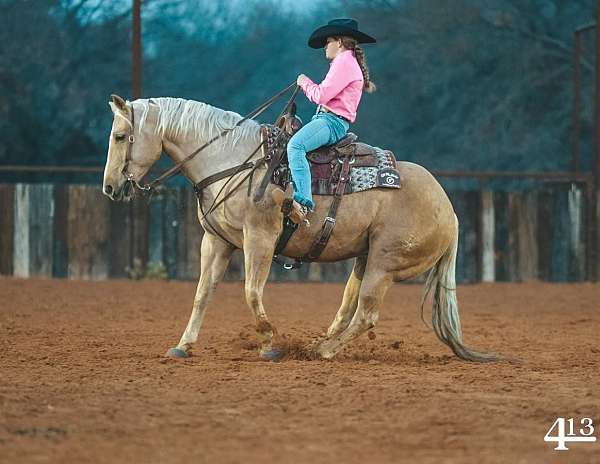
x=330, y=174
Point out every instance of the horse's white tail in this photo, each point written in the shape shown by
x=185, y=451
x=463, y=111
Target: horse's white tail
x=445, y=318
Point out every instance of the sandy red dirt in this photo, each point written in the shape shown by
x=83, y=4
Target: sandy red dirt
x=83, y=379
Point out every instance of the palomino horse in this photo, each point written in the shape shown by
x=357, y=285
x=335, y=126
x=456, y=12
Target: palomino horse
x=394, y=234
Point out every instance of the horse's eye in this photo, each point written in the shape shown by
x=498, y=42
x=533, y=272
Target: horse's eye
x=120, y=137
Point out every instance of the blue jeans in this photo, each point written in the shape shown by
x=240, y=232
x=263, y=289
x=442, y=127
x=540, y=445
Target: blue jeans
x=323, y=129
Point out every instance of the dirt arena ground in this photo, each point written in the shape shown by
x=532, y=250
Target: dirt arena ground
x=83, y=380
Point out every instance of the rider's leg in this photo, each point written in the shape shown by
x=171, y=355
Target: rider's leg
x=323, y=129
x=310, y=137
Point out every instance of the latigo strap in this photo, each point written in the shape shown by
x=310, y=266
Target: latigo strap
x=328, y=225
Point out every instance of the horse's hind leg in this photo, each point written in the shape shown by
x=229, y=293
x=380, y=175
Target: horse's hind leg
x=214, y=258
x=350, y=300
x=372, y=290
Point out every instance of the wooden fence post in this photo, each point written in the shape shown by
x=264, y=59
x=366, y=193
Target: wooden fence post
x=21, y=235
x=189, y=238
x=156, y=231
x=466, y=205
x=34, y=227
x=576, y=234
x=501, y=235
x=596, y=265
x=41, y=228
x=527, y=226
x=560, y=243
x=120, y=246
x=89, y=232
x=7, y=227
x=139, y=235
x=315, y=272
x=60, y=262
x=487, y=227
x=171, y=226
x=545, y=233
x=522, y=243
x=514, y=206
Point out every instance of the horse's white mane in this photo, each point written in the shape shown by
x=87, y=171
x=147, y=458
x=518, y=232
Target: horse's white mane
x=178, y=116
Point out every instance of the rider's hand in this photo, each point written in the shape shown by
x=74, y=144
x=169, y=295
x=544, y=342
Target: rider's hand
x=300, y=79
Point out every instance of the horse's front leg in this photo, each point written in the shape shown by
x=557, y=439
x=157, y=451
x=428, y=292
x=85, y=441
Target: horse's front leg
x=214, y=258
x=258, y=254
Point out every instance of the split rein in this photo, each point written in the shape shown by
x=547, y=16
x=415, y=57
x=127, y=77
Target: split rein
x=151, y=187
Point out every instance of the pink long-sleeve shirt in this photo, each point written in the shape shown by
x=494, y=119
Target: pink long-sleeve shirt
x=341, y=89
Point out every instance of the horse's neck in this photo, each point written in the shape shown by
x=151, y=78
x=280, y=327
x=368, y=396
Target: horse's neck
x=219, y=156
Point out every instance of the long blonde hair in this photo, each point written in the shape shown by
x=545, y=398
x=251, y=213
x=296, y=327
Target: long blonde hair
x=350, y=43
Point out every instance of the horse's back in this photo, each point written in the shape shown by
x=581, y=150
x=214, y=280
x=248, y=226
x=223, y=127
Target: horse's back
x=414, y=225
x=421, y=192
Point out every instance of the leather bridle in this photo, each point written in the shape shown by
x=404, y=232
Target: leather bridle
x=227, y=173
x=148, y=188
x=128, y=156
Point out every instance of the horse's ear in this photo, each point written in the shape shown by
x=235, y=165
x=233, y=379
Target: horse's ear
x=117, y=102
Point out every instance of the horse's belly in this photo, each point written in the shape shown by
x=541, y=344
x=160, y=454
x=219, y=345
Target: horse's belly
x=350, y=236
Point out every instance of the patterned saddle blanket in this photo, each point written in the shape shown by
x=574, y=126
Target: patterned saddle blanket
x=370, y=167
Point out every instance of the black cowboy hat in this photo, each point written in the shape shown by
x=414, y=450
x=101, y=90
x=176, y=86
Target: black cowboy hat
x=337, y=28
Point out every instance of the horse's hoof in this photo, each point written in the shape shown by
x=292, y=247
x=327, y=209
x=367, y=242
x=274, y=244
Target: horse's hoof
x=326, y=355
x=176, y=353
x=323, y=352
x=273, y=355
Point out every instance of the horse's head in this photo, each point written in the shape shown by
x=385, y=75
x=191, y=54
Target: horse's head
x=131, y=151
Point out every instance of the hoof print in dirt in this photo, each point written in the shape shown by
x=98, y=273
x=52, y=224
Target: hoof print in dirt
x=176, y=353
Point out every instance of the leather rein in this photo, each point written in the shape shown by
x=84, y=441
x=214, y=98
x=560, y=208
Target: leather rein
x=174, y=170
x=229, y=173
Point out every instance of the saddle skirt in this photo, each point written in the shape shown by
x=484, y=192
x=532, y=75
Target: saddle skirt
x=370, y=167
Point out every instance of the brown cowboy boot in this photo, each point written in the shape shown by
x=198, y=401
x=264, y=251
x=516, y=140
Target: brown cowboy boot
x=295, y=211
x=299, y=213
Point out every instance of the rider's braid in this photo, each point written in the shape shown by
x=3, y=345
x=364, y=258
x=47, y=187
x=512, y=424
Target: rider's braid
x=351, y=44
